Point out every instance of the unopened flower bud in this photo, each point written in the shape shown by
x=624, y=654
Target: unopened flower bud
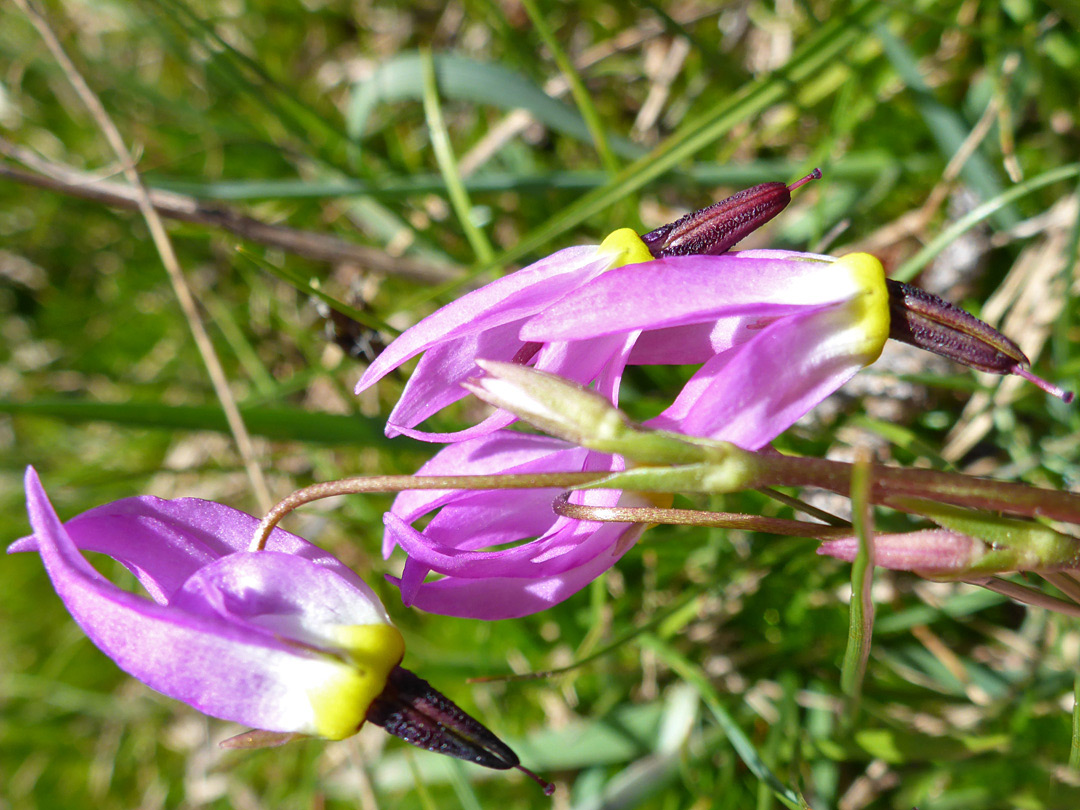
x=714, y=230
x=572, y=412
x=930, y=551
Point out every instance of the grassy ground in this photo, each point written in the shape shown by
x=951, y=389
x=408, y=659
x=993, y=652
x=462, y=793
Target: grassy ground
x=949, y=140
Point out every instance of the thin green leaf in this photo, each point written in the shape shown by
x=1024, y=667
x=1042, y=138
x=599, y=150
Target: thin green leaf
x=828, y=43
x=292, y=277
x=444, y=154
x=693, y=675
x=948, y=128
x=861, y=612
x=577, y=86
x=288, y=424
x=401, y=78
x=911, y=268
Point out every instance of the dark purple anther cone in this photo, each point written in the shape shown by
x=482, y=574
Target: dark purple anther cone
x=924, y=320
x=714, y=230
x=413, y=710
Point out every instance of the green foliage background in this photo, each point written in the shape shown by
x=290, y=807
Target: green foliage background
x=312, y=115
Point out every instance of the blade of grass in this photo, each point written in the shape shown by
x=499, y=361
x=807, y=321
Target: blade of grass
x=462, y=787
x=911, y=268
x=261, y=86
x=859, y=166
x=169, y=260
x=292, y=277
x=249, y=77
x=465, y=79
x=288, y=424
x=686, y=608
x=693, y=675
x=444, y=155
x=861, y=615
x=830, y=41
x=427, y=802
x=946, y=126
x=577, y=87
x=1063, y=324
x=1074, y=747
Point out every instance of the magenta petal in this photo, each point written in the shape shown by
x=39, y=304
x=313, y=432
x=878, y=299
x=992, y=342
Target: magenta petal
x=683, y=290
x=489, y=523
x=504, y=598
x=599, y=360
x=484, y=537
x=695, y=343
x=502, y=452
x=290, y=597
x=566, y=545
x=412, y=577
x=436, y=382
x=226, y=668
x=503, y=301
x=163, y=542
x=753, y=392
x=498, y=419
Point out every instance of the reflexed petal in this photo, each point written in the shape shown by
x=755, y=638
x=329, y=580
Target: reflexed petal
x=504, y=598
x=436, y=382
x=463, y=539
x=208, y=650
x=583, y=361
x=163, y=542
x=503, y=301
x=502, y=452
x=690, y=289
x=752, y=393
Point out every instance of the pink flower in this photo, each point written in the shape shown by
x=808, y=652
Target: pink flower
x=519, y=579
x=286, y=640
x=777, y=332
x=584, y=315
x=782, y=359
x=486, y=322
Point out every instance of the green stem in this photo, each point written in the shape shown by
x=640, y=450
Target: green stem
x=861, y=614
x=444, y=155
x=909, y=269
x=1074, y=749
x=577, y=86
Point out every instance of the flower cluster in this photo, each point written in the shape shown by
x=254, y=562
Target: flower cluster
x=775, y=332
x=287, y=639
x=252, y=624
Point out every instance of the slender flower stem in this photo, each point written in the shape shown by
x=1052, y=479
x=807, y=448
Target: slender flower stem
x=400, y=483
x=1074, y=747
x=893, y=482
x=1028, y=596
x=1067, y=585
x=694, y=517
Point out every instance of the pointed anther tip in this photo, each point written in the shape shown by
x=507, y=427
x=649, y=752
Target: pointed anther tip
x=814, y=175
